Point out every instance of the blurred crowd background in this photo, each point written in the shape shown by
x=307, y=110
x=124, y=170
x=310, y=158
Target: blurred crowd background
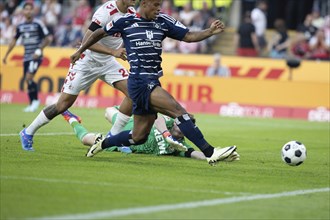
x=260, y=28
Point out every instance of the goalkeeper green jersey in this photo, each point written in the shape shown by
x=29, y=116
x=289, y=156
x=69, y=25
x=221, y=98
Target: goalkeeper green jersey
x=156, y=143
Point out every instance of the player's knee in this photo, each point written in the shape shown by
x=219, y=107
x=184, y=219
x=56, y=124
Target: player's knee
x=109, y=113
x=140, y=139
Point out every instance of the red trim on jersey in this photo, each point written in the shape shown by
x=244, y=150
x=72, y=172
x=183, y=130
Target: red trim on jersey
x=130, y=11
x=113, y=11
x=138, y=15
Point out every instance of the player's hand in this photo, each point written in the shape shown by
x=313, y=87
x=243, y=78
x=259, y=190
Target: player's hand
x=76, y=56
x=37, y=54
x=217, y=27
x=120, y=53
x=232, y=157
x=173, y=142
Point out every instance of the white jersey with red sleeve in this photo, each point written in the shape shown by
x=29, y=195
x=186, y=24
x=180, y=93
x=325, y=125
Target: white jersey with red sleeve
x=103, y=15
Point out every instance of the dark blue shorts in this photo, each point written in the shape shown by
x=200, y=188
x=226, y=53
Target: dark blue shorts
x=31, y=66
x=139, y=90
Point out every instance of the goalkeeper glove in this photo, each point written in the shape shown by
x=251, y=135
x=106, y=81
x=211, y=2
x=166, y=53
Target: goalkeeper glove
x=173, y=142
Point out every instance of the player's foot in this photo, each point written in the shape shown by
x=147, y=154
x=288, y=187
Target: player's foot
x=27, y=108
x=67, y=115
x=26, y=140
x=232, y=157
x=220, y=154
x=126, y=150
x=96, y=147
x=34, y=105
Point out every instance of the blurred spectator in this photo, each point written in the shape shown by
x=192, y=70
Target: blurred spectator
x=170, y=45
x=68, y=36
x=326, y=29
x=3, y=11
x=198, y=25
x=11, y=6
x=307, y=27
x=300, y=47
x=217, y=69
x=82, y=13
x=259, y=20
x=317, y=21
x=320, y=49
x=50, y=11
x=188, y=48
x=280, y=41
x=17, y=16
x=206, y=14
x=7, y=30
x=167, y=7
x=187, y=14
x=246, y=42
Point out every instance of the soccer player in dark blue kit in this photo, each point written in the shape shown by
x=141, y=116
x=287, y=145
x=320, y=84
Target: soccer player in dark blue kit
x=143, y=34
x=35, y=37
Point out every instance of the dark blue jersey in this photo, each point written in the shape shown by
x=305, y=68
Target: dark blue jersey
x=143, y=40
x=32, y=35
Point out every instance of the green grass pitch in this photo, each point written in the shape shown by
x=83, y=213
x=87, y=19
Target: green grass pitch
x=57, y=180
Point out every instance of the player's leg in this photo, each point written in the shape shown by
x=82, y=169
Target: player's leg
x=163, y=102
x=81, y=132
x=30, y=68
x=79, y=78
x=116, y=76
x=139, y=134
x=33, y=86
x=110, y=112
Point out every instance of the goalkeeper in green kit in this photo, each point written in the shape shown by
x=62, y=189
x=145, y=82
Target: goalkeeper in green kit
x=165, y=137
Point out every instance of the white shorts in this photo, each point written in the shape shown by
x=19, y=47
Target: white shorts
x=86, y=71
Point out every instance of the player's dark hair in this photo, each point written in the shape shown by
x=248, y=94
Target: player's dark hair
x=259, y=2
x=28, y=4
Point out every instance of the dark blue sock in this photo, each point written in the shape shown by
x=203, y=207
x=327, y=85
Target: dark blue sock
x=124, y=138
x=32, y=90
x=192, y=132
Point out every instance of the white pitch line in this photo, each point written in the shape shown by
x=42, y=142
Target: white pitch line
x=188, y=205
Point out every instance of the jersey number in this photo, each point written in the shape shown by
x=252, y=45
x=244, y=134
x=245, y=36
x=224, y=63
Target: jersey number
x=123, y=72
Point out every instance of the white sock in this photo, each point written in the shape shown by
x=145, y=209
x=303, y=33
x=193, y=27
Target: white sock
x=120, y=123
x=37, y=123
x=71, y=120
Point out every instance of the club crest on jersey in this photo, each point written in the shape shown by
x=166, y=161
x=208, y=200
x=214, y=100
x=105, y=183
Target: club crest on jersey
x=150, y=34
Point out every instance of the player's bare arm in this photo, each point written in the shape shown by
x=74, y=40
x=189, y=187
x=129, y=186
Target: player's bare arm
x=119, y=53
x=93, y=38
x=216, y=27
x=10, y=48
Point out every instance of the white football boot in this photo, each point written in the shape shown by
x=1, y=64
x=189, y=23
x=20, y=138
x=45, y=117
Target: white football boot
x=35, y=105
x=97, y=146
x=220, y=154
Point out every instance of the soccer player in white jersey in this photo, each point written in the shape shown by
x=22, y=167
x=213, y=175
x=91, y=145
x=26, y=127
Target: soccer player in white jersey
x=96, y=63
x=35, y=37
x=143, y=34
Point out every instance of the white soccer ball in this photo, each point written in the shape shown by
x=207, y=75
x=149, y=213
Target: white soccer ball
x=294, y=153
